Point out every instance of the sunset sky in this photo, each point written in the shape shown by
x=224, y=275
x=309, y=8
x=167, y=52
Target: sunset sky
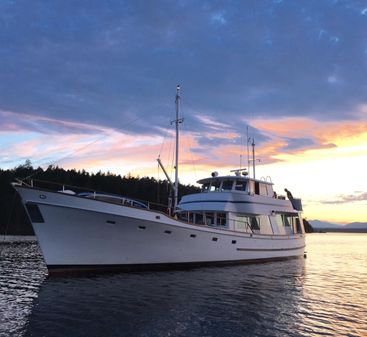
x=91, y=85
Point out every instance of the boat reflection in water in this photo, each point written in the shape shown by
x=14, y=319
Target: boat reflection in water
x=256, y=300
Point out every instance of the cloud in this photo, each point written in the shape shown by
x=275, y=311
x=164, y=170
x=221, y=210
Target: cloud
x=345, y=199
x=17, y=122
x=297, y=144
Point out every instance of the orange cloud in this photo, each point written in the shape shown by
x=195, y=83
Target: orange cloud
x=324, y=135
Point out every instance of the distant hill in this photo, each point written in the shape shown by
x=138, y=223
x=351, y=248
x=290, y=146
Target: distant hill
x=357, y=225
x=332, y=227
x=323, y=224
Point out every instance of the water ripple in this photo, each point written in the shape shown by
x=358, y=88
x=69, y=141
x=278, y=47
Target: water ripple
x=319, y=296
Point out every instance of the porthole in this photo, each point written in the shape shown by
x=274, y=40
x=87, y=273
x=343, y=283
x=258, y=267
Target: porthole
x=141, y=227
x=215, y=239
x=234, y=241
x=168, y=232
x=192, y=235
x=111, y=222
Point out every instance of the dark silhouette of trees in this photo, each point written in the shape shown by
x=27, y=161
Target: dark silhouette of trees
x=308, y=227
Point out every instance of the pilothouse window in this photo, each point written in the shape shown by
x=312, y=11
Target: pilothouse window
x=227, y=185
x=215, y=186
x=240, y=186
x=205, y=187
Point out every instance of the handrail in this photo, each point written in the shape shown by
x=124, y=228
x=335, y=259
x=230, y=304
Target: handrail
x=33, y=183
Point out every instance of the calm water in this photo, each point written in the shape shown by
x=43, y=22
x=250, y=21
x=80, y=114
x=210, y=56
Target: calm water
x=323, y=295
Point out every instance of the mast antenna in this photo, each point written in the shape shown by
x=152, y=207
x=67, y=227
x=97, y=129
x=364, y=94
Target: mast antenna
x=253, y=157
x=253, y=160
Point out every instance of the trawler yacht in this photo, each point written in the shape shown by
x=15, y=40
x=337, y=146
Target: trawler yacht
x=233, y=219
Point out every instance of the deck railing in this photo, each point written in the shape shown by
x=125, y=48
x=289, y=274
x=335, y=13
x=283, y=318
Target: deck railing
x=61, y=187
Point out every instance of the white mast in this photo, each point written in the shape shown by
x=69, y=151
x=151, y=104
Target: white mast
x=177, y=121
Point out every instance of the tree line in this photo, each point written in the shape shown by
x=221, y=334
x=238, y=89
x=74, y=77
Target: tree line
x=14, y=221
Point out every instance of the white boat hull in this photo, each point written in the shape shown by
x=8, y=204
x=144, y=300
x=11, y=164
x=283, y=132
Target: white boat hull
x=77, y=233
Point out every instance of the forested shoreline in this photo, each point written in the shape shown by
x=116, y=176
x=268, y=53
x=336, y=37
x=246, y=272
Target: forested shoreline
x=14, y=221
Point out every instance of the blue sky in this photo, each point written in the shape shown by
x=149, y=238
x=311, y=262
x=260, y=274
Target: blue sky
x=89, y=69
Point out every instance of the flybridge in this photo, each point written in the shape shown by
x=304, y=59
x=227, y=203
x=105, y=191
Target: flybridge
x=238, y=183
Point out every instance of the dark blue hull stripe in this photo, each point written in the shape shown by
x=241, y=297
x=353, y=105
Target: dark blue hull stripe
x=269, y=249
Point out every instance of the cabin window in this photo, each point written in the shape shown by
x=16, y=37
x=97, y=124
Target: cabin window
x=285, y=223
x=254, y=224
x=241, y=223
x=280, y=224
x=215, y=186
x=257, y=187
x=222, y=219
x=265, y=226
x=191, y=217
x=209, y=219
x=183, y=216
x=298, y=228
x=263, y=189
x=199, y=219
x=240, y=186
x=227, y=185
x=205, y=187
x=287, y=220
x=294, y=222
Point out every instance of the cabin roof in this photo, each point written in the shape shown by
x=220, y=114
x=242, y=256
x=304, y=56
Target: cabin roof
x=233, y=178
